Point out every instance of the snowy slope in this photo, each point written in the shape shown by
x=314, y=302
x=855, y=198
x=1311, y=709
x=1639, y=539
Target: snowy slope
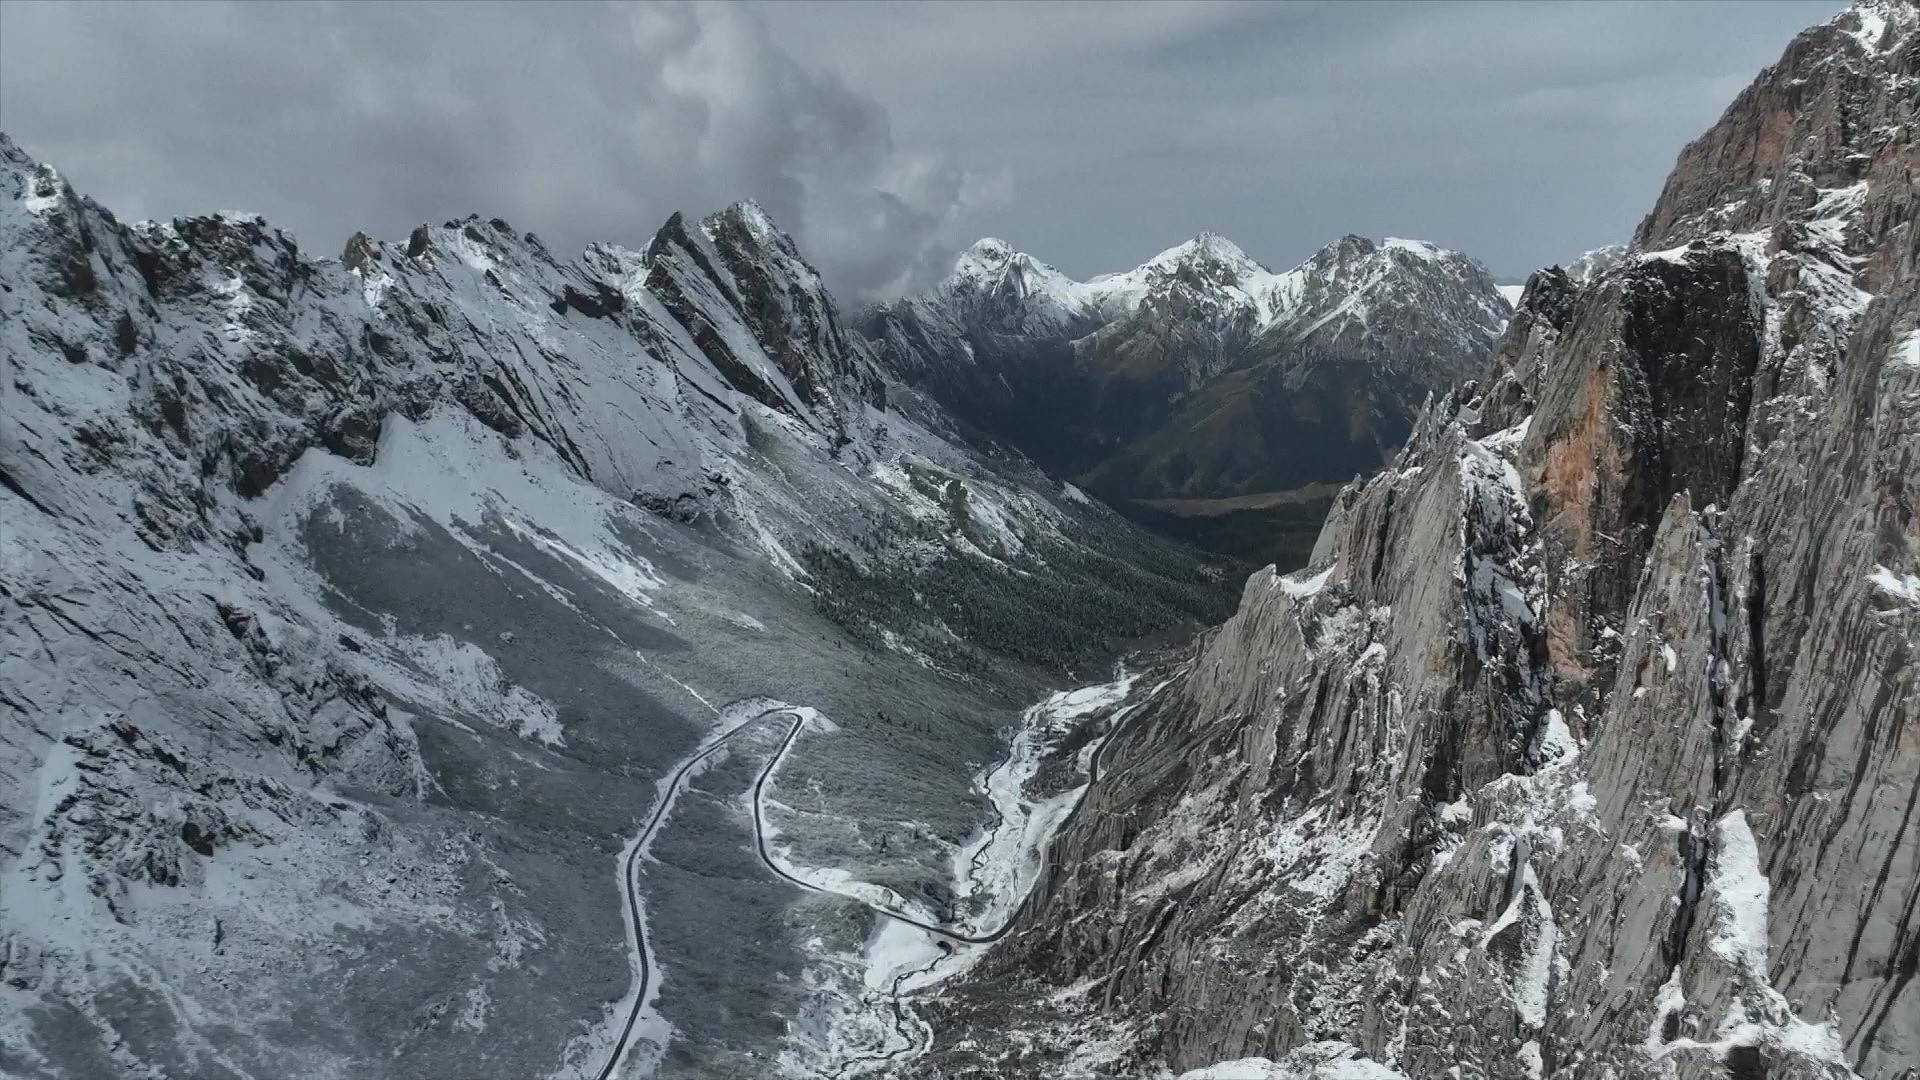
x=352, y=608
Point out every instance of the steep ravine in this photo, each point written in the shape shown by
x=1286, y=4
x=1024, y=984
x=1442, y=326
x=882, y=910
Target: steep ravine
x=1589, y=743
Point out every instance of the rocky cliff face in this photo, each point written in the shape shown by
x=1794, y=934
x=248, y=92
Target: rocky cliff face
x=351, y=612
x=1200, y=374
x=1589, y=744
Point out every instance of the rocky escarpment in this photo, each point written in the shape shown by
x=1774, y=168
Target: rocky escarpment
x=1200, y=374
x=1589, y=744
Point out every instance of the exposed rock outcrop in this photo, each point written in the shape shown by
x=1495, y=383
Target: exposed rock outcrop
x=1589, y=745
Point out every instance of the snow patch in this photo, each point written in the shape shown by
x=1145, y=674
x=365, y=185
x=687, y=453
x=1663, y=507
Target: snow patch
x=1329, y=1060
x=1003, y=862
x=42, y=193
x=1328, y=853
x=1906, y=351
x=1899, y=586
x=1418, y=248
x=992, y=874
x=471, y=682
x=1739, y=891
x=374, y=286
x=1873, y=27
x=1301, y=587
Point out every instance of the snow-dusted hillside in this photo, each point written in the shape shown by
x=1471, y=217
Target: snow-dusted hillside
x=353, y=610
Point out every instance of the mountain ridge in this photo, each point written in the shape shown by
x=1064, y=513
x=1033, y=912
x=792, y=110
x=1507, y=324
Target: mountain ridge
x=1200, y=374
x=352, y=608
x=1584, y=746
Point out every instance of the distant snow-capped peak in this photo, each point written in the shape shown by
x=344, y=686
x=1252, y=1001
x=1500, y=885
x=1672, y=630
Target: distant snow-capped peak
x=1209, y=269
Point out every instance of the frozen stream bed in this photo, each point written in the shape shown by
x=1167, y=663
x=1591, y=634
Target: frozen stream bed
x=860, y=1016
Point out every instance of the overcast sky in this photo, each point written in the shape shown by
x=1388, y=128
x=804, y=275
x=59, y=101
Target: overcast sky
x=888, y=137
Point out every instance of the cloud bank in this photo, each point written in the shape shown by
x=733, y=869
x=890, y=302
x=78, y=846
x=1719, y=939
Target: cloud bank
x=582, y=122
x=886, y=137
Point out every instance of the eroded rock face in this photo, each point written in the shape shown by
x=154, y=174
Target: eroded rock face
x=1589, y=745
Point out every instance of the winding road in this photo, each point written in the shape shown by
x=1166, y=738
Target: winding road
x=630, y=886
x=631, y=862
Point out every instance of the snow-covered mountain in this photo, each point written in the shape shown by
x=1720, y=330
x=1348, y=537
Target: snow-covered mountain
x=1208, y=285
x=1582, y=268
x=354, y=611
x=1200, y=374
x=1588, y=745
x=388, y=644
x=1591, y=263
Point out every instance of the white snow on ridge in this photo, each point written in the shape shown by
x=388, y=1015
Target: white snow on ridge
x=1301, y=587
x=451, y=470
x=1330, y=1060
x=1271, y=298
x=1906, y=351
x=1672, y=254
x=1873, y=26
x=374, y=286
x=42, y=194
x=1419, y=248
x=1899, y=586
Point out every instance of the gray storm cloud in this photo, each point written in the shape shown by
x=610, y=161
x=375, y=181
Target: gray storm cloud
x=581, y=122
x=887, y=137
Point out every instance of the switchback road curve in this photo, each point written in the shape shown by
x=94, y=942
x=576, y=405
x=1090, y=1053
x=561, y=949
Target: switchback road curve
x=630, y=864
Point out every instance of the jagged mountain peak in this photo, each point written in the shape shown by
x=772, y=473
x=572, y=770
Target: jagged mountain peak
x=1534, y=771
x=1209, y=248
x=1591, y=262
x=748, y=228
x=1879, y=26
x=1418, y=249
x=993, y=284
x=1200, y=373
x=751, y=215
x=1391, y=255
x=984, y=255
x=993, y=263
x=1015, y=291
x=1795, y=133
